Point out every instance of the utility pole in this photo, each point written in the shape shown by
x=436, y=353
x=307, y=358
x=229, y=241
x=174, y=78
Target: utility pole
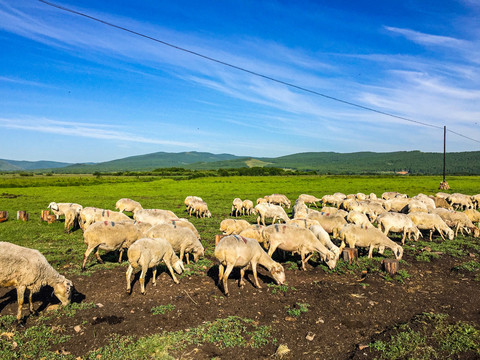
x=444, y=184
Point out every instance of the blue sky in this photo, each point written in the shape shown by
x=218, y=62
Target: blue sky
x=76, y=90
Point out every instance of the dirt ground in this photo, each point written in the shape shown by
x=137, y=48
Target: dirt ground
x=342, y=314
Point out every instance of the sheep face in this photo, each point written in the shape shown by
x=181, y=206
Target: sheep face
x=53, y=206
x=198, y=253
x=178, y=266
x=450, y=233
x=278, y=274
x=398, y=251
x=331, y=260
x=63, y=291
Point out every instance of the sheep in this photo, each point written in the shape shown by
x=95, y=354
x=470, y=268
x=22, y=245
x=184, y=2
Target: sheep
x=458, y=220
x=396, y=222
x=371, y=237
x=262, y=201
x=360, y=196
x=299, y=210
x=247, y=207
x=253, y=232
x=372, y=196
x=331, y=200
x=441, y=203
x=331, y=223
x=183, y=240
x=475, y=201
x=92, y=215
x=371, y=208
x=298, y=241
x=270, y=211
x=154, y=216
x=442, y=195
x=431, y=222
x=27, y=269
x=237, y=207
x=396, y=204
x=303, y=223
x=60, y=208
x=349, y=204
x=190, y=199
x=72, y=216
x=324, y=238
x=278, y=199
x=392, y=195
x=460, y=201
x=148, y=253
x=358, y=218
x=413, y=206
x=233, y=226
x=181, y=222
x=327, y=210
x=109, y=235
x=200, y=209
x=127, y=205
x=430, y=203
x=238, y=251
x=473, y=215
x=309, y=199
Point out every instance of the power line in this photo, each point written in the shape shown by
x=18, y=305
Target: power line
x=250, y=71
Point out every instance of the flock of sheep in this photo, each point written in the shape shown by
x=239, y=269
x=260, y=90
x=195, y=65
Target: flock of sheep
x=156, y=235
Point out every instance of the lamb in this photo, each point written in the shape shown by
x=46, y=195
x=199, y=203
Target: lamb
x=154, y=216
x=128, y=205
x=233, y=226
x=148, y=253
x=371, y=237
x=190, y=199
x=247, y=207
x=358, y=218
x=27, y=269
x=200, y=209
x=92, y=215
x=270, y=211
x=298, y=241
x=324, y=238
x=183, y=240
x=331, y=223
x=397, y=222
x=458, y=220
x=431, y=222
x=237, y=251
x=278, y=199
x=60, y=208
x=309, y=199
x=110, y=236
x=237, y=207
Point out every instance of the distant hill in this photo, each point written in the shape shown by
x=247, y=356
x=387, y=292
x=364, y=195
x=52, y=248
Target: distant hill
x=410, y=162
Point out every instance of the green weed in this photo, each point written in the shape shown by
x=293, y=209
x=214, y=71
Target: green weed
x=297, y=309
x=280, y=288
x=162, y=309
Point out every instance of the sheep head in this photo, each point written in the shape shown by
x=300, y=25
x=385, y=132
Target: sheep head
x=63, y=291
x=278, y=273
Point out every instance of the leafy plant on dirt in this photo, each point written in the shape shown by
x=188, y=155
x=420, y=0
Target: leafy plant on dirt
x=284, y=288
x=297, y=309
x=429, y=336
x=162, y=309
x=199, y=268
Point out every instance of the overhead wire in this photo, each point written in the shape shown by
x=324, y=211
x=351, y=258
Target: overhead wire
x=250, y=71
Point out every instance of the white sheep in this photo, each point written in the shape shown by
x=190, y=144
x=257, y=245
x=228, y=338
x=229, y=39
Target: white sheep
x=460, y=201
x=200, y=209
x=476, y=201
x=278, y=199
x=110, y=236
x=154, y=216
x=414, y=205
x=237, y=207
x=253, y=232
x=27, y=269
x=72, y=219
x=358, y=218
x=60, y=208
x=331, y=223
x=398, y=223
x=128, y=205
x=431, y=222
x=324, y=238
x=387, y=195
x=233, y=226
x=148, y=253
x=183, y=240
x=298, y=241
x=457, y=220
x=190, y=199
x=396, y=204
x=473, y=215
x=370, y=237
x=270, y=211
x=303, y=223
x=91, y=215
x=238, y=251
x=247, y=207
x=309, y=199
x=300, y=210
x=182, y=222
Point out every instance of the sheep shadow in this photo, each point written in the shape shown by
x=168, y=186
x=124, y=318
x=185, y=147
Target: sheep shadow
x=235, y=275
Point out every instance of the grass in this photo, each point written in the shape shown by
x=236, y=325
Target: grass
x=429, y=336
x=162, y=309
x=297, y=309
x=274, y=288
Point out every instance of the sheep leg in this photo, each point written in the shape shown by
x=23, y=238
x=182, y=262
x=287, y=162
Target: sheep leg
x=169, y=266
x=228, y=270
x=220, y=273
x=254, y=270
x=142, y=281
x=154, y=276
x=370, y=251
x=431, y=232
x=120, y=256
x=441, y=233
x=129, y=276
x=272, y=249
x=20, y=299
x=30, y=301
x=241, y=283
x=274, y=219
x=404, y=236
x=97, y=255
x=85, y=257
x=187, y=256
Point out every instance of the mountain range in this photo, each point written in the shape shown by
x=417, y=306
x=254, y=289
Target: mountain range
x=414, y=162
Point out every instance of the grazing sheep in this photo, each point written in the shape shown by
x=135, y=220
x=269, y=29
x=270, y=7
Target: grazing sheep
x=349, y=204
x=396, y=204
x=181, y=222
x=398, y=223
x=441, y=203
x=442, y=195
x=238, y=251
x=27, y=269
x=60, y=208
x=460, y=201
x=458, y=220
x=87, y=216
x=324, y=238
x=270, y=211
x=298, y=241
x=303, y=223
x=233, y=226
x=110, y=236
x=278, y=199
x=72, y=216
x=154, y=216
x=261, y=201
x=190, y=199
x=237, y=207
x=372, y=196
x=413, y=206
x=253, y=232
x=429, y=202
x=200, y=209
x=473, y=215
x=476, y=201
x=247, y=207
x=183, y=240
x=392, y=195
x=148, y=253
x=327, y=210
x=331, y=200
x=92, y=215
x=309, y=199
x=127, y=205
x=370, y=237
x=431, y=222
x=331, y=223
x=299, y=210
x=358, y=218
